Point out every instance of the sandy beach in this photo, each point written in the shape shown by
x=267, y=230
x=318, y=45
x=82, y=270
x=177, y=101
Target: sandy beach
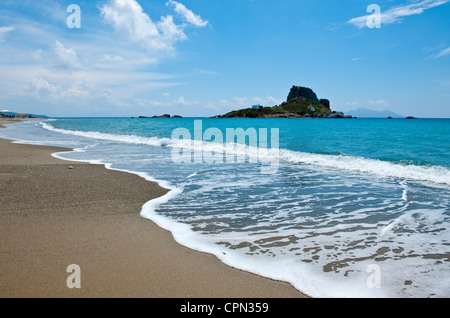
x=52, y=216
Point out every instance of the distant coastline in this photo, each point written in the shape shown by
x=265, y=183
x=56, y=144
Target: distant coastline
x=162, y=116
x=11, y=114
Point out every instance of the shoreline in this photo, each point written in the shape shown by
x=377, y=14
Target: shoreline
x=6, y=121
x=53, y=216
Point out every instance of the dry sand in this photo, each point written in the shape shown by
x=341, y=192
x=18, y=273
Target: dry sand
x=52, y=216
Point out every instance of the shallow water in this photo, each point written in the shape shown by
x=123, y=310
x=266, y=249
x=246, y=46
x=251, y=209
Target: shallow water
x=351, y=208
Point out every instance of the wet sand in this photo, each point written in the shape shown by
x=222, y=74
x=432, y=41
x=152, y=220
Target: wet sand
x=52, y=216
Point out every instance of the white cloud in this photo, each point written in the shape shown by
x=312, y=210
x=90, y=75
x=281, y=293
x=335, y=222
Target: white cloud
x=241, y=101
x=4, y=31
x=52, y=87
x=187, y=14
x=274, y=101
x=205, y=72
x=42, y=85
x=395, y=14
x=379, y=103
x=184, y=102
x=37, y=55
x=129, y=19
x=245, y=102
x=51, y=70
x=170, y=32
x=113, y=58
x=67, y=57
x=442, y=53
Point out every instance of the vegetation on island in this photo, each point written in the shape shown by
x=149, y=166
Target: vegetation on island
x=302, y=102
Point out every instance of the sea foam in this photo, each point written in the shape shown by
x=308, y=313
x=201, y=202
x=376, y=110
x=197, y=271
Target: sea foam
x=415, y=230
x=385, y=169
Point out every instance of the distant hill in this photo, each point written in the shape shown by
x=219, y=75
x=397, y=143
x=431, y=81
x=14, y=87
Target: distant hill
x=8, y=113
x=368, y=113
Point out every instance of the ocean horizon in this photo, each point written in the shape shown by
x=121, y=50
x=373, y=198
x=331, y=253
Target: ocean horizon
x=335, y=207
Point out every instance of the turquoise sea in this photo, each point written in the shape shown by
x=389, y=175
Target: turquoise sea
x=336, y=207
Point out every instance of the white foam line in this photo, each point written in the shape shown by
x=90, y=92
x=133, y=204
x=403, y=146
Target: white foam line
x=192, y=175
x=149, y=209
x=183, y=234
x=162, y=183
x=404, y=191
x=294, y=273
x=436, y=174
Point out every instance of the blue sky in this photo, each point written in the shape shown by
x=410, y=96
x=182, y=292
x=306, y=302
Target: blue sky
x=204, y=58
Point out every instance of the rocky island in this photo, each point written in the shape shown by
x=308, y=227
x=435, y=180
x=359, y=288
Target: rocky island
x=301, y=102
x=162, y=116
